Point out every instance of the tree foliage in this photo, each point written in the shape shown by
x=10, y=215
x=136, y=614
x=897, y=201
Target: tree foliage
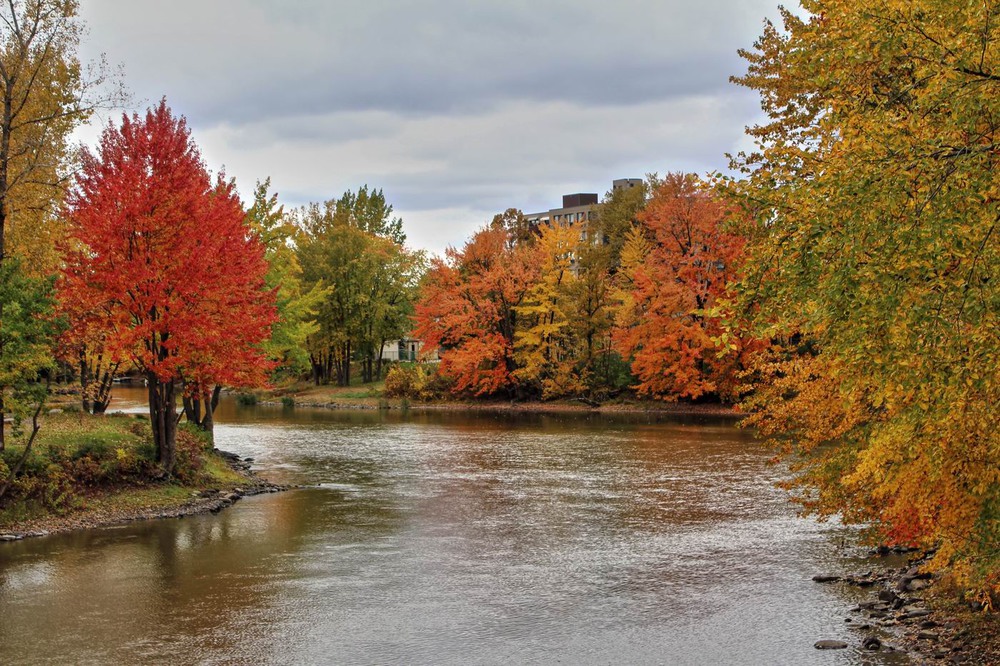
x=45, y=92
x=164, y=251
x=545, y=344
x=468, y=309
x=26, y=328
x=675, y=266
x=297, y=306
x=615, y=217
x=874, y=204
x=354, y=247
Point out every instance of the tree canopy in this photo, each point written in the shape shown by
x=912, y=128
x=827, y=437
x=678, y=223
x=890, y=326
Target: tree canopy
x=872, y=265
x=675, y=266
x=164, y=252
x=354, y=248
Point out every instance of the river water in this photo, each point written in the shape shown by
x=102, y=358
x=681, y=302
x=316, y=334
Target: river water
x=451, y=538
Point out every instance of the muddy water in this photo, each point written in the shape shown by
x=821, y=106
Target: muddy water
x=443, y=538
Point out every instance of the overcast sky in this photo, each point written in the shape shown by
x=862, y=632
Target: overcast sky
x=457, y=109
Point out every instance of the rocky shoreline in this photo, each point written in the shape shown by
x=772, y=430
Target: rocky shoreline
x=904, y=613
x=208, y=500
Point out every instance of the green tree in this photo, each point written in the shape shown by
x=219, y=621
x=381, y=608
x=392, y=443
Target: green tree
x=874, y=245
x=25, y=338
x=297, y=306
x=354, y=246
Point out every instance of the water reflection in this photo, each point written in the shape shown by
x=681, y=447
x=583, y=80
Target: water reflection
x=449, y=538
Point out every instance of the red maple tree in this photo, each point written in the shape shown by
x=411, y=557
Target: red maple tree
x=162, y=251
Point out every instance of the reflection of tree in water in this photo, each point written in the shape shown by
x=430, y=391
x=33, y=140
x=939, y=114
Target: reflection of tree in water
x=423, y=522
x=114, y=595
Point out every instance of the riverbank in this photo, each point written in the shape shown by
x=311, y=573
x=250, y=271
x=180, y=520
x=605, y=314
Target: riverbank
x=913, y=611
x=89, y=471
x=119, y=506
x=356, y=397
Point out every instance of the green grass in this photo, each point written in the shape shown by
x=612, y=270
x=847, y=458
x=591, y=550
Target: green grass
x=216, y=471
x=80, y=460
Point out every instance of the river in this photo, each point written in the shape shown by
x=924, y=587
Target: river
x=451, y=538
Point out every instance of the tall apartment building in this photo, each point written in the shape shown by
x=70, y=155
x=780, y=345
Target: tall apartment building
x=577, y=207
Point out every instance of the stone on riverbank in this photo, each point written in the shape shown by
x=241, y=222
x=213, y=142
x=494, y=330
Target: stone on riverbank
x=872, y=643
x=830, y=645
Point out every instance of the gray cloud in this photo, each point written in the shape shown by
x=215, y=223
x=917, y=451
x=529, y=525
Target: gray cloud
x=248, y=60
x=456, y=108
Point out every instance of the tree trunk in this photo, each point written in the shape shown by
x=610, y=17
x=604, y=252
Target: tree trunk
x=201, y=411
x=163, y=418
x=347, y=364
x=84, y=382
x=27, y=447
x=317, y=369
x=378, y=363
x=102, y=398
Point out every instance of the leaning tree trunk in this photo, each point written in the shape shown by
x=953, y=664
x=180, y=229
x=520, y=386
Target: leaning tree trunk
x=27, y=448
x=163, y=418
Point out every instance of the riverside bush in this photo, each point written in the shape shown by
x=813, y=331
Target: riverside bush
x=404, y=381
x=78, y=454
x=417, y=382
x=436, y=386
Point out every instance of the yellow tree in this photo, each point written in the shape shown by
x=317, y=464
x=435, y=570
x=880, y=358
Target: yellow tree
x=873, y=257
x=545, y=348
x=45, y=93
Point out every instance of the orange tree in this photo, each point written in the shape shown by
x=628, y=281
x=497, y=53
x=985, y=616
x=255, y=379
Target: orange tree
x=163, y=253
x=872, y=259
x=675, y=265
x=468, y=308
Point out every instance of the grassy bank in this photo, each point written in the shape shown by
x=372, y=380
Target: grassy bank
x=88, y=470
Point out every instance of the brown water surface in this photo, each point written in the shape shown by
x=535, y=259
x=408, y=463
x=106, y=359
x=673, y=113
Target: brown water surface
x=446, y=538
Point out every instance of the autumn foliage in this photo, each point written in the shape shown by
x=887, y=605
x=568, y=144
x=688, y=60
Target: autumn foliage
x=546, y=344
x=676, y=265
x=873, y=205
x=171, y=277
x=469, y=309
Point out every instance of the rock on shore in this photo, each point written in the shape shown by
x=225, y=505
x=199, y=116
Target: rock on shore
x=899, y=615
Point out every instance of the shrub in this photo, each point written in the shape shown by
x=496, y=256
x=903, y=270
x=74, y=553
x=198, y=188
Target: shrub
x=436, y=386
x=404, y=381
x=192, y=444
